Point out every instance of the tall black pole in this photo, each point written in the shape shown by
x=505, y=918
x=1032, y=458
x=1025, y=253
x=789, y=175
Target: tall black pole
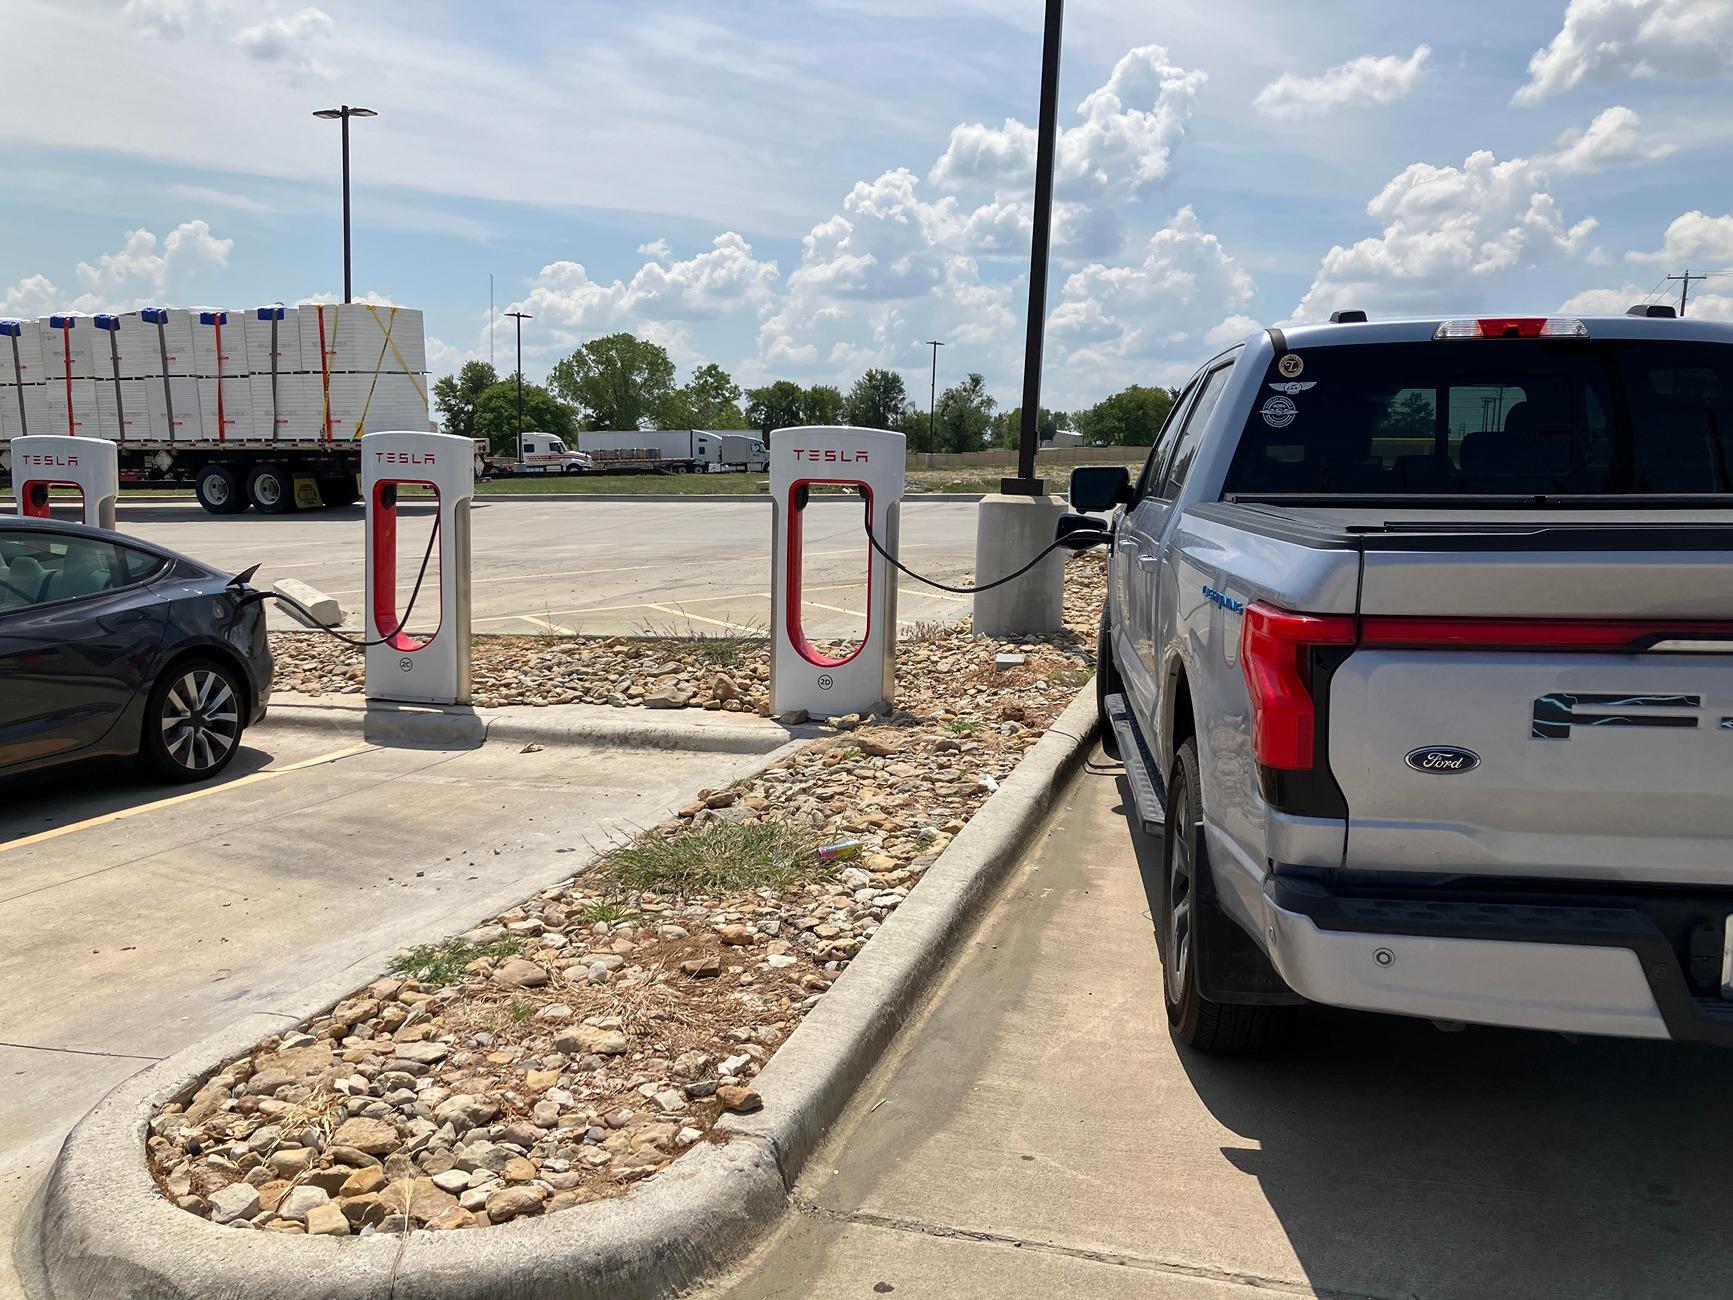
x=520, y=317
x=933, y=402
x=348, y=285
x=1026, y=484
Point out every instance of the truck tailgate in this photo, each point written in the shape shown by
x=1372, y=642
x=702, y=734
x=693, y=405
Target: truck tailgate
x=1552, y=704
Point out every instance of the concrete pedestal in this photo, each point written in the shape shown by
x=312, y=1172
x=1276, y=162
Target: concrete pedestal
x=1009, y=532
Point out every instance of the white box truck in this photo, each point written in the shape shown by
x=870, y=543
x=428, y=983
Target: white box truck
x=261, y=407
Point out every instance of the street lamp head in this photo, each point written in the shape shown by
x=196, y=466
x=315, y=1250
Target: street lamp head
x=362, y=112
x=334, y=114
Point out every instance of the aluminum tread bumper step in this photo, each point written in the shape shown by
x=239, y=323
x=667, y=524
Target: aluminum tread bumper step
x=1148, y=790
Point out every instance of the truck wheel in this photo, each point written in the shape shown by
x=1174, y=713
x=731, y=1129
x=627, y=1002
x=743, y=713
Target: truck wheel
x=1198, y=1022
x=339, y=490
x=1107, y=682
x=218, y=491
x=270, y=490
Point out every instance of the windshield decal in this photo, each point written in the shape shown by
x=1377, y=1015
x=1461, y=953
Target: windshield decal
x=1279, y=412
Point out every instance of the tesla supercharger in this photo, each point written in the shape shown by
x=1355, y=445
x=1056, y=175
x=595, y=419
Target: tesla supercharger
x=803, y=677
x=44, y=460
x=431, y=668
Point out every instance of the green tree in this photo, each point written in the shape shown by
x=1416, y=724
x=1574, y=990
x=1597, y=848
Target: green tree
x=1008, y=426
x=709, y=400
x=454, y=396
x=1414, y=414
x=617, y=382
x=964, y=416
x=1129, y=418
x=821, y=404
x=496, y=415
x=781, y=405
x=876, y=401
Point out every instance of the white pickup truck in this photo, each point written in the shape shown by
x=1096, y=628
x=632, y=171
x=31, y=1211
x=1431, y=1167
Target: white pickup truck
x=1418, y=647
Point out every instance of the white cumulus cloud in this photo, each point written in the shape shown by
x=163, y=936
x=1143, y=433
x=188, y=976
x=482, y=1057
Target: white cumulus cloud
x=1613, y=139
x=290, y=43
x=142, y=271
x=1358, y=83
x=1696, y=237
x=1603, y=40
x=1451, y=236
x=1614, y=302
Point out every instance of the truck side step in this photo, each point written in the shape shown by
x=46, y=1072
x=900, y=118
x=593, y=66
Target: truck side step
x=1148, y=791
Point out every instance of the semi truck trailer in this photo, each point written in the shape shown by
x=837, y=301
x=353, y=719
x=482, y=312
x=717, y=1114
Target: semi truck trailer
x=262, y=407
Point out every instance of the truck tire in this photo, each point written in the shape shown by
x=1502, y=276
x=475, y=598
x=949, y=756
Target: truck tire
x=218, y=491
x=1107, y=682
x=339, y=490
x=1201, y=1023
x=271, y=490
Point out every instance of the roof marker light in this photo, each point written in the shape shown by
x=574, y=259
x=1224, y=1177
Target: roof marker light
x=1513, y=327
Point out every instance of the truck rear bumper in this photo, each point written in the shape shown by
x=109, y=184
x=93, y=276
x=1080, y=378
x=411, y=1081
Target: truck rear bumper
x=1627, y=964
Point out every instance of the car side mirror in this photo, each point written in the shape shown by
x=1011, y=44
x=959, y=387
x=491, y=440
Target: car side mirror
x=1080, y=532
x=1100, y=487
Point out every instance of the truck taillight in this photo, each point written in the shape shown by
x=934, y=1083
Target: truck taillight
x=1513, y=327
x=1274, y=656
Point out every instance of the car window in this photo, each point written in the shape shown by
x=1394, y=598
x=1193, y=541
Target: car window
x=139, y=565
x=1196, y=421
x=1163, y=444
x=39, y=568
x=1496, y=416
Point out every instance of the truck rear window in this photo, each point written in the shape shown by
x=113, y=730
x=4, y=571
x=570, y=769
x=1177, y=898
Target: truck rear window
x=1493, y=417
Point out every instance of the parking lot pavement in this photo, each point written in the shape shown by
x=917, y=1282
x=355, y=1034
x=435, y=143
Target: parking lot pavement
x=138, y=918
x=603, y=567
x=1038, y=1134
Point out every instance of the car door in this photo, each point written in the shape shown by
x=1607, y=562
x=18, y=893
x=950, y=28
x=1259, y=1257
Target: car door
x=79, y=632
x=1165, y=592
x=1135, y=554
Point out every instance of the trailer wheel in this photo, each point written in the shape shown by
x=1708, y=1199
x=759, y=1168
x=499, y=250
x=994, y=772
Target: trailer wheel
x=218, y=491
x=270, y=490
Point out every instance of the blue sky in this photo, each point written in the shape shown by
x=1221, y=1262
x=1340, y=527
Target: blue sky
x=802, y=190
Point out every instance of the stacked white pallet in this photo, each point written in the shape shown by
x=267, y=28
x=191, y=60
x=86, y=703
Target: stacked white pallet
x=23, y=393
x=286, y=405
x=370, y=365
x=121, y=413
x=220, y=365
x=69, y=372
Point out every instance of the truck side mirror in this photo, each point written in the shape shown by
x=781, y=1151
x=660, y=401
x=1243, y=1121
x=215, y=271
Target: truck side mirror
x=1080, y=532
x=1100, y=487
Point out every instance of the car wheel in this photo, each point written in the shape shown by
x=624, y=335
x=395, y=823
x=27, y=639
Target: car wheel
x=218, y=491
x=1107, y=682
x=193, y=722
x=1198, y=1022
x=270, y=491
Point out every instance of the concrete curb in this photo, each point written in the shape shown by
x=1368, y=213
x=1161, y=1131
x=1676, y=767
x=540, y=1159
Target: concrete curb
x=99, y=1228
x=384, y=723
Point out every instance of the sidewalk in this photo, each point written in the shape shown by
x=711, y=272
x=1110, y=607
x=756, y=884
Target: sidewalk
x=1040, y=1136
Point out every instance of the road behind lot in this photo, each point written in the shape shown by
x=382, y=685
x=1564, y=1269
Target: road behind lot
x=602, y=567
x=138, y=918
x=1039, y=1135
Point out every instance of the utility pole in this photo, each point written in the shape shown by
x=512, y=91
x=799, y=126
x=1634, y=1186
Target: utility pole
x=1047, y=131
x=932, y=398
x=490, y=321
x=520, y=317
x=1685, y=287
x=343, y=114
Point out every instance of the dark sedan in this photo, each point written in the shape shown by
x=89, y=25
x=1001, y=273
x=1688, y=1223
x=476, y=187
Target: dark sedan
x=112, y=646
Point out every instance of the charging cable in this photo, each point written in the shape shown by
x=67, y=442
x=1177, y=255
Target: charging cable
x=344, y=637
x=1079, y=540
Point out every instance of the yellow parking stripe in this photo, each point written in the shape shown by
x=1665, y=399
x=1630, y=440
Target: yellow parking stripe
x=124, y=813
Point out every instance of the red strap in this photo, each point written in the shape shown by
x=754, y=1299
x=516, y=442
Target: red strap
x=66, y=339
x=324, y=371
x=217, y=327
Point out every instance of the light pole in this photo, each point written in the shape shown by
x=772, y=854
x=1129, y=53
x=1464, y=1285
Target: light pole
x=1046, y=133
x=932, y=398
x=520, y=317
x=343, y=114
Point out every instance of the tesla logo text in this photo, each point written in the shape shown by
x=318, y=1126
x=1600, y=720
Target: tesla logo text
x=1445, y=758
x=829, y=454
x=1555, y=714
x=37, y=458
x=406, y=457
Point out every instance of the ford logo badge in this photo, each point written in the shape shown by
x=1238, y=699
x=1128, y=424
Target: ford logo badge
x=1443, y=758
